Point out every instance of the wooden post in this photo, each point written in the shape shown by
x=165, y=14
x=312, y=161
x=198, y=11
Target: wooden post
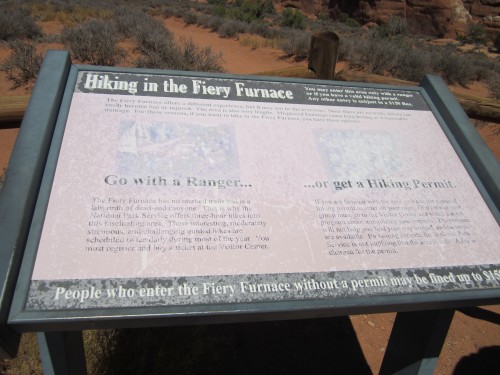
x=323, y=54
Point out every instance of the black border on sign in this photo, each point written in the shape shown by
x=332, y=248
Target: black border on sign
x=476, y=157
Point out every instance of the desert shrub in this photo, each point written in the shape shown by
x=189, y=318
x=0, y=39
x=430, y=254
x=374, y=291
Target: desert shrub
x=249, y=11
x=173, y=11
x=93, y=42
x=245, y=10
x=17, y=23
x=204, y=20
x=324, y=16
x=475, y=34
x=160, y=51
x=69, y=12
x=493, y=82
x=164, y=56
x=453, y=67
x=296, y=43
x=293, y=18
x=152, y=35
x=352, y=50
x=382, y=55
x=180, y=56
x=256, y=42
x=395, y=26
x=215, y=23
x=481, y=66
x=128, y=22
x=199, y=59
x=231, y=28
x=190, y=18
x=23, y=64
x=263, y=29
x=219, y=11
x=341, y=28
x=496, y=43
x=83, y=13
x=412, y=64
x=228, y=29
x=347, y=20
x=267, y=7
x=249, y=41
x=167, y=12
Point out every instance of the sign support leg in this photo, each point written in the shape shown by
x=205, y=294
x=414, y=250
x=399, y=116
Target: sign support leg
x=416, y=341
x=62, y=353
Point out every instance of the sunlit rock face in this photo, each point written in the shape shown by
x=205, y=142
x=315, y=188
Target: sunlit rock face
x=441, y=18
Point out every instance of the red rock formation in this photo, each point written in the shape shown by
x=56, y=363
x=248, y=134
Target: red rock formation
x=443, y=18
x=309, y=7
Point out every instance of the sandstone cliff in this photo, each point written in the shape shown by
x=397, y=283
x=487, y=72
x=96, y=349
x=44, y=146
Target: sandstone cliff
x=442, y=18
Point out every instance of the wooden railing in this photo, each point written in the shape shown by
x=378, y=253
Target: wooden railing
x=322, y=60
x=12, y=108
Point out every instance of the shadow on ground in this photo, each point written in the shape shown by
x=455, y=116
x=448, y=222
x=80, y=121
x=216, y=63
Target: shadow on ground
x=484, y=362
x=317, y=346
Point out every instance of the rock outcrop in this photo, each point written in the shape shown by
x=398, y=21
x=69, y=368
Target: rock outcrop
x=309, y=7
x=487, y=12
x=442, y=18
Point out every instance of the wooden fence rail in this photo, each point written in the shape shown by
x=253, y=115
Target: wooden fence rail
x=12, y=108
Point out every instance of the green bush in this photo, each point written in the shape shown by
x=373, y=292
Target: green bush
x=475, y=34
x=23, y=64
x=293, y=18
x=93, y=42
x=217, y=2
x=246, y=10
x=345, y=19
x=219, y=11
x=18, y=23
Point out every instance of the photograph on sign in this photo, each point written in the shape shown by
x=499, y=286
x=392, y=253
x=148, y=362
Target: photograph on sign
x=175, y=190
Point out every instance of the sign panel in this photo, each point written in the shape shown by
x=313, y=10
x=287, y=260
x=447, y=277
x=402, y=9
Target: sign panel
x=179, y=190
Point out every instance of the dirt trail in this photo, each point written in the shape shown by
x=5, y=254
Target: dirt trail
x=237, y=58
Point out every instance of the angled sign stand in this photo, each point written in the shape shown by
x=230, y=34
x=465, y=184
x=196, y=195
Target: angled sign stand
x=181, y=197
x=22, y=182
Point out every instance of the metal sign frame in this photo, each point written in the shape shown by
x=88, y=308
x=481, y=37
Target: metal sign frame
x=475, y=156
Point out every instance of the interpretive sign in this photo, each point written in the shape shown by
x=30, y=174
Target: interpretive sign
x=182, y=189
